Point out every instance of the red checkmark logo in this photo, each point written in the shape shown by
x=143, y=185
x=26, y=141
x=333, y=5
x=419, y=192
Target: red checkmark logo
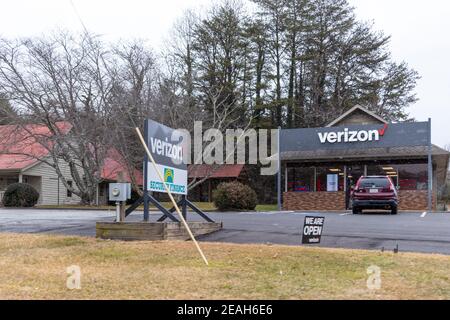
x=383, y=130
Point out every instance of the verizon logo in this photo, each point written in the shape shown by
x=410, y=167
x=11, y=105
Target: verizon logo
x=348, y=136
x=166, y=149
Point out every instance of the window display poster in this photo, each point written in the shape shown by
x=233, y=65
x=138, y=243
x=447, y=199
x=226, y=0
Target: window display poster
x=332, y=182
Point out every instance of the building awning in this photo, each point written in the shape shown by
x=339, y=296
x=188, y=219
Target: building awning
x=370, y=153
x=196, y=171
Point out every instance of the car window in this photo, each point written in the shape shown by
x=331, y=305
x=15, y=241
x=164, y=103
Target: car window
x=374, y=183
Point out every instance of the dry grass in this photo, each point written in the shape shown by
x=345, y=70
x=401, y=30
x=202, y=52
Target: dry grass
x=34, y=267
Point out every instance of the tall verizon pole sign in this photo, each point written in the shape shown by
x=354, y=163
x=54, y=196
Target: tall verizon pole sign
x=312, y=230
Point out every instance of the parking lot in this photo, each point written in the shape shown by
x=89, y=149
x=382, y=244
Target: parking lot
x=415, y=232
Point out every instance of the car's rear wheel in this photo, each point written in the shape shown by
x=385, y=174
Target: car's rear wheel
x=394, y=210
x=356, y=210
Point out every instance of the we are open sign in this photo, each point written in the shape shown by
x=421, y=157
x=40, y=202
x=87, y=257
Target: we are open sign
x=312, y=230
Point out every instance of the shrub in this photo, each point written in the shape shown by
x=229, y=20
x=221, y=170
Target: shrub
x=235, y=196
x=20, y=195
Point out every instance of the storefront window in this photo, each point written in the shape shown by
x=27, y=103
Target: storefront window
x=384, y=170
x=411, y=176
x=330, y=179
x=300, y=179
x=354, y=172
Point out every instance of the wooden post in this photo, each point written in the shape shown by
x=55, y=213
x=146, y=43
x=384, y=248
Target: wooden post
x=170, y=196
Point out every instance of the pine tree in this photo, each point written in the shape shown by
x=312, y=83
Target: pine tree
x=7, y=112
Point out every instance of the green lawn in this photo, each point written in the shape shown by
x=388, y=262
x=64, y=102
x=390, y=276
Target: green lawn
x=266, y=207
x=34, y=267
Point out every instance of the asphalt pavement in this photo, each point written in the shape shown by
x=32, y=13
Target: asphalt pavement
x=415, y=232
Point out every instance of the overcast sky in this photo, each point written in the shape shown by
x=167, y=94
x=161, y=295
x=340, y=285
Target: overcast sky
x=419, y=29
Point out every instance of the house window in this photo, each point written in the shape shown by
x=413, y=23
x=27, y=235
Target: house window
x=11, y=181
x=69, y=193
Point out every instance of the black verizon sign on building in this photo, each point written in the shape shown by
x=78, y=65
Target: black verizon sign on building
x=406, y=134
x=312, y=230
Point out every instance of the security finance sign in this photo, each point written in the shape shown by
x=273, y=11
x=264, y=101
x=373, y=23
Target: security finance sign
x=168, y=148
x=312, y=230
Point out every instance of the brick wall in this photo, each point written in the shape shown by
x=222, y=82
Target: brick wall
x=314, y=201
x=414, y=200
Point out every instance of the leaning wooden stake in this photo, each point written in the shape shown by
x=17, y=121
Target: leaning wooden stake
x=170, y=195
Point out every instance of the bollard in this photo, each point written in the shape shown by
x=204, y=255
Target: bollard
x=118, y=212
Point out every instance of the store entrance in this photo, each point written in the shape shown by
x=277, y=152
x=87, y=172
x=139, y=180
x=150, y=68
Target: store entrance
x=354, y=172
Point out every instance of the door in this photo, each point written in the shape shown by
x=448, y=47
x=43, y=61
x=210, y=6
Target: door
x=354, y=172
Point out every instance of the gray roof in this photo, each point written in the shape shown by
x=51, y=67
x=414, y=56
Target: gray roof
x=392, y=152
x=355, y=108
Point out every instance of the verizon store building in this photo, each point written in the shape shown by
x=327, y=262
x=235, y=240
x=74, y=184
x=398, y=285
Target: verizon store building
x=321, y=165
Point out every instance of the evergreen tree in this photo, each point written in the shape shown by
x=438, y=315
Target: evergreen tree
x=7, y=112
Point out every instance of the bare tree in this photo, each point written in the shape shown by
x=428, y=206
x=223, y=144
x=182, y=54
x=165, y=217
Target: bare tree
x=136, y=82
x=62, y=78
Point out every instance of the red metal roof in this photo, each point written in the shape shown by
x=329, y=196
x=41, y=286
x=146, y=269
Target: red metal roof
x=114, y=164
x=20, y=146
x=215, y=171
